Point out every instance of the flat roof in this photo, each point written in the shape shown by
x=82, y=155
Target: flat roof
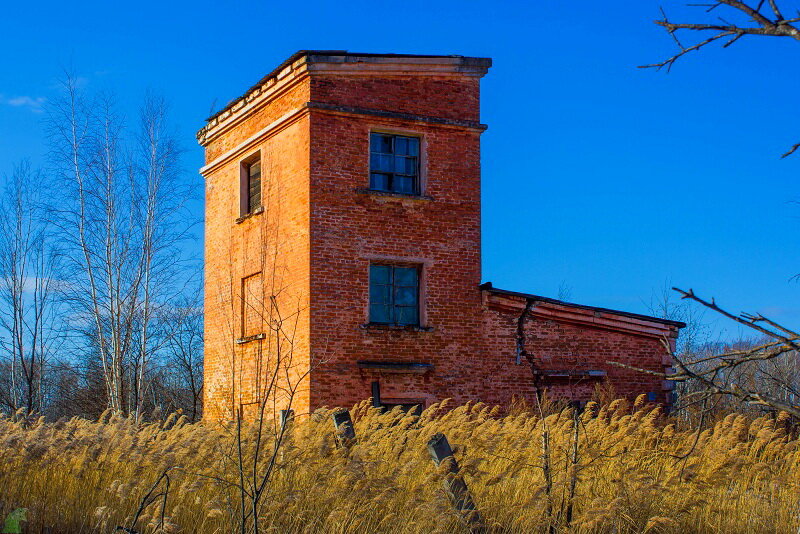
x=340, y=53
x=488, y=287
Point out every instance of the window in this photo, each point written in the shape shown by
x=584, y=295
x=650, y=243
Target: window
x=394, y=295
x=250, y=185
x=394, y=163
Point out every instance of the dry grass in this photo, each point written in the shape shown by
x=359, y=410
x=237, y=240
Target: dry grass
x=635, y=473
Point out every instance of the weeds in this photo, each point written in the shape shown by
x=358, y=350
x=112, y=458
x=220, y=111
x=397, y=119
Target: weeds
x=613, y=468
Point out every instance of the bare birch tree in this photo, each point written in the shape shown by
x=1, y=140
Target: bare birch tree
x=28, y=290
x=159, y=202
x=121, y=227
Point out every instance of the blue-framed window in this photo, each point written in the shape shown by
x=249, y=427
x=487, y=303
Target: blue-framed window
x=394, y=295
x=394, y=163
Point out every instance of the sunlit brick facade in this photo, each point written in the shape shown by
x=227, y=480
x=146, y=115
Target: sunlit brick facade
x=358, y=272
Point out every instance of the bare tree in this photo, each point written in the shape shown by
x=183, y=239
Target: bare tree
x=29, y=332
x=183, y=355
x=695, y=337
x=564, y=291
x=159, y=202
x=761, y=375
x=260, y=312
x=120, y=222
x=740, y=19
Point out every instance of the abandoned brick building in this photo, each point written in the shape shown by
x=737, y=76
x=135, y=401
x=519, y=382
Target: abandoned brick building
x=343, y=252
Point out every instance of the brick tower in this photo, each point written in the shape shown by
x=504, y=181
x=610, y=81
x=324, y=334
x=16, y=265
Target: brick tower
x=343, y=234
x=343, y=253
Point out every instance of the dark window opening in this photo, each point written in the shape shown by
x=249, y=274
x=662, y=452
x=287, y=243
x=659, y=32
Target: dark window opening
x=250, y=185
x=394, y=295
x=394, y=163
x=412, y=407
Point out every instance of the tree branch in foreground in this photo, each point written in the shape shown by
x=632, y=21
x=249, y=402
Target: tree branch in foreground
x=760, y=20
x=718, y=376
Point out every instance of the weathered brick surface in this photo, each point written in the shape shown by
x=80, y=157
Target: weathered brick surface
x=350, y=229
x=274, y=243
x=563, y=345
x=444, y=97
x=321, y=228
x=288, y=99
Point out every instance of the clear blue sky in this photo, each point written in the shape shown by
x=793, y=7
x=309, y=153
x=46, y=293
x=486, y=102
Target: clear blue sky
x=596, y=174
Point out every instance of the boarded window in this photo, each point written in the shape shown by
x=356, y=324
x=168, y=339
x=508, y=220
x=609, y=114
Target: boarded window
x=394, y=294
x=394, y=163
x=252, y=305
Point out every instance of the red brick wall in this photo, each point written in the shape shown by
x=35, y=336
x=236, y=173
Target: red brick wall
x=437, y=96
x=440, y=231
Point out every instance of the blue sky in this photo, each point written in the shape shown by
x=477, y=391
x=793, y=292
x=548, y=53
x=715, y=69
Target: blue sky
x=606, y=178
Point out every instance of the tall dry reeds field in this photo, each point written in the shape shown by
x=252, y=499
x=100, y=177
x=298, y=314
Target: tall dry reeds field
x=617, y=468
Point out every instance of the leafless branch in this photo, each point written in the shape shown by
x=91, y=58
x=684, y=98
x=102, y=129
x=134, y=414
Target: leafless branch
x=718, y=375
x=757, y=23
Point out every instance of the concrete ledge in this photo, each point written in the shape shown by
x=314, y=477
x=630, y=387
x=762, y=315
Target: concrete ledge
x=243, y=340
x=391, y=194
x=570, y=373
x=253, y=213
x=396, y=327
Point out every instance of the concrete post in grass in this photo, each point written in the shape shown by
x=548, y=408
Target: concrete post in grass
x=454, y=485
x=345, y=433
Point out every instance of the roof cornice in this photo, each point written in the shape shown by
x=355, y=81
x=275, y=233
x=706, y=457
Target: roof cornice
x=340, y=63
